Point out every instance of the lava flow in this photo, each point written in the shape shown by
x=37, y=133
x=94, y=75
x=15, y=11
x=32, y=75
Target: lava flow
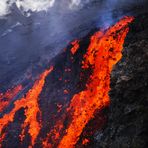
x=71, y=117
x=102, y=54
x=30, y=104
x=7, y=97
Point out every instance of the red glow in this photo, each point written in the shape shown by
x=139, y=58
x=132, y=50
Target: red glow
x=75, y=46
x=103, y=53
x=6, y=98
x=85, y=141
x=30, y=103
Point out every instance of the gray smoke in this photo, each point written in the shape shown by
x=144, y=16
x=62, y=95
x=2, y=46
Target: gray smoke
x=32, y=32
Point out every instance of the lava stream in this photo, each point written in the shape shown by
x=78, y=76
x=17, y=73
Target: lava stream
x=102, y=54
x=30, y=104
x=7, y=97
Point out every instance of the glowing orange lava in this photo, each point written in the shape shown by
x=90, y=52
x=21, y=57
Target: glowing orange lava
x=6, y=98
x=85, y=141
x=103, y=53
x=30, y=104
x=75, y=46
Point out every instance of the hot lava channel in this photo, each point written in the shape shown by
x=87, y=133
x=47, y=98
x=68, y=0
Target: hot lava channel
x=59, y=105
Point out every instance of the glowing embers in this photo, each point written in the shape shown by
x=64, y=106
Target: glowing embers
x=75, y=46
x=30, y=104
x=102, y=54
x=85, y=141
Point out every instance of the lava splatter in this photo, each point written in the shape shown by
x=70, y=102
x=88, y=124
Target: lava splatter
x=75, y=46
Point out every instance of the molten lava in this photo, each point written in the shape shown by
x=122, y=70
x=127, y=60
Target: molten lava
x=102, y=54
x=7, y=97
x=30, y=104
x=85, y=141
x=75, y=46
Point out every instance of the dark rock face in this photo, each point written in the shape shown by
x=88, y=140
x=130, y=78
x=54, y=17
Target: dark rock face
x=127, y=125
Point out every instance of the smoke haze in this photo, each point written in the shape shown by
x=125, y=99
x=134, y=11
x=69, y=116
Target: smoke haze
x=35, y=5
x=45, y=5
x=38, y=30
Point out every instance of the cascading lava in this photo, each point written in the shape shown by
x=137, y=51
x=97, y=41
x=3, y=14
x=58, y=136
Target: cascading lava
x=6, y=98
x=103, y=52
x=30, y=103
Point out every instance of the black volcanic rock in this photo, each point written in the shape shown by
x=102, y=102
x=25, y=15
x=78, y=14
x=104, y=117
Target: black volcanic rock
x=127, y=125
